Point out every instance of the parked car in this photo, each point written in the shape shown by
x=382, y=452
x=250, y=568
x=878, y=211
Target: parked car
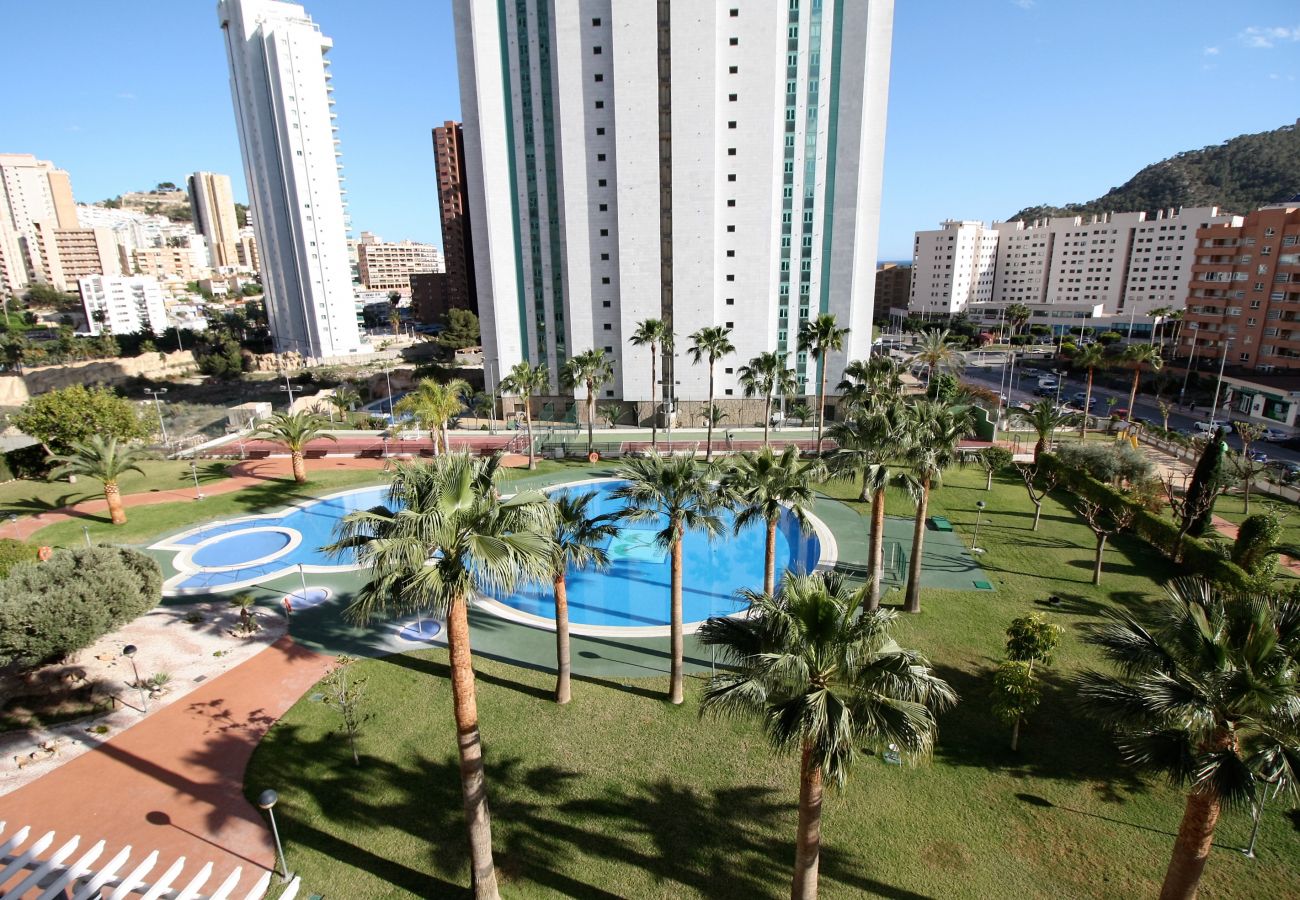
x=1119, y=412
x=1273, y=434
x=1078, y=398
x=1289, y=471
x=1204, y=427
x=1259, y=456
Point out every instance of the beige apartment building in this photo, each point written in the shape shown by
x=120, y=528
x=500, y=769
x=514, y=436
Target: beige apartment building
x=31, y=190
x=389, y=266
x=60, y=257
x=185, y=263
x=246, y=250
x=212, y=206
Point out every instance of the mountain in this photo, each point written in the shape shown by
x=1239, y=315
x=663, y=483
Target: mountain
x=1238, y=176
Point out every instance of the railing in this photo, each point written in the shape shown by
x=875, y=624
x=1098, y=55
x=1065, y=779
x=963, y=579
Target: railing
x=36, y=873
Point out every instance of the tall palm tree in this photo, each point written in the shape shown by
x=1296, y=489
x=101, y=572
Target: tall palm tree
x=432, y=403
x=865, y=379
x=527, y=382
x=590, y=369
x=821, y=337
x=295, y=431
x=1090, y=358
x=936, y=429
x=760, y=486
x=446, y=509
x=578, y=541
x=680, y=493
x=1136, y=356
x=656, y=334
x=1207, y=695
x=711, y=343
x=826, y=679
x=1017, y=314
x=937, y=352
x=344, y=399
x=104, y=459
x=866, y=443
x=1044, y=418
x=766, y=376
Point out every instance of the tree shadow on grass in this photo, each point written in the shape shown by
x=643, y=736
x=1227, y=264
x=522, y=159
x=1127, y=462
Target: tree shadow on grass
x=35, y=505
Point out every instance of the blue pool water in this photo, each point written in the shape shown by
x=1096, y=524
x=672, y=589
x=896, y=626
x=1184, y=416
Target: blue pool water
x=240, y=546
x=634, y=590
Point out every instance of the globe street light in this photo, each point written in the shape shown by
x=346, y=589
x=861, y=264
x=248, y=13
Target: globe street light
x=267, y=800
x=158, y=406
x=129, y=652
x=979, y=512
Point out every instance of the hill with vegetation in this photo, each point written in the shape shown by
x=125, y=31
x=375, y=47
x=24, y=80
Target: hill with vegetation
x=1238, y=176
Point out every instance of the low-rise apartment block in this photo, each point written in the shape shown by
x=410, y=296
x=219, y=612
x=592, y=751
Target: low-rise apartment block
x=389, y=266
x=122, y=304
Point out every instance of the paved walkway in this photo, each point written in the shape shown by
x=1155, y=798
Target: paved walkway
x=174, y=781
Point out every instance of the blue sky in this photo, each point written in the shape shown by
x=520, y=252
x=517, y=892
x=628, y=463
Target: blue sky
x=994, y=104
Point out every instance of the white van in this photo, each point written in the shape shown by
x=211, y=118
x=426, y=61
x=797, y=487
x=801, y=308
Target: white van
x=1048, y=382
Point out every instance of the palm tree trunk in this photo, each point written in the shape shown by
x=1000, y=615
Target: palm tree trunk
x=769, y=560
x=1192, y=847
x=675, y=629
x=1096, y=565
x=528, y=420
x=478, y=820
x=562, y=660
x=808, y=840
x=591, y=413
x=988, y=481
x=446, y=438
x=821, y=404
x=767, y=417
x=654, y=399
x=1132, y=395
x=912, y=603
x=876, y=560
x=299, y=467
x=1087, y=402
x=113, y=494
x=708, y=440
x=1040, y=446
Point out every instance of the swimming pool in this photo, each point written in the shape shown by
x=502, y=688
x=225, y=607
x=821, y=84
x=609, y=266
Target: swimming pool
x=633, y=592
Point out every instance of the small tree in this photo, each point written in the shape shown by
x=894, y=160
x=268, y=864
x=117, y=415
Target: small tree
x=246, y=603
x=1207, y=481
x=1039, y=485
x=59, y=419
x=611, y=413
x=295, y=431
x=345, y=692
x=527, y=382
x=993, y=460
x=1015, y=696
x=1165, y=408
x=1247, y=468
x=1104, y=521
x=106, y=460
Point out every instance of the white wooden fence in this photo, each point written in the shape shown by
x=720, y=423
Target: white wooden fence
x=41, y=873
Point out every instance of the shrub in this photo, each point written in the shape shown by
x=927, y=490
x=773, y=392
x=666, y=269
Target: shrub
x=14, y=552
x=53, y=608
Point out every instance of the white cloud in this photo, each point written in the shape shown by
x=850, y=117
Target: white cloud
x=1266, y=37
x=1211, y=51
x=126, y=95
x=1024, y=4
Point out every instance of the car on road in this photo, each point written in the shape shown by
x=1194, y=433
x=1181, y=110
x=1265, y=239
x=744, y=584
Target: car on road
x=1289, y=471
x=1119, y=412
x=1273, y=434
x=1078, y=398
x=1258, y=456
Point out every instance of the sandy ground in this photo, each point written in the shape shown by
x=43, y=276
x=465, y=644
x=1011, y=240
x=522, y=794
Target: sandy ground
x=191, y=653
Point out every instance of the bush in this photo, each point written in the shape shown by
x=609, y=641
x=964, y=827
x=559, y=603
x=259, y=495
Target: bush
x=14, y=552
x=53, y=608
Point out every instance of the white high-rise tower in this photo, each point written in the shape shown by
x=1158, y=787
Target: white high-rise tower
x=279, y=79
x=705, y=162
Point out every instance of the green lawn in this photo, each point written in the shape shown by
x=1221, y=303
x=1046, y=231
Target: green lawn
x=621, y=795
x=29, y=496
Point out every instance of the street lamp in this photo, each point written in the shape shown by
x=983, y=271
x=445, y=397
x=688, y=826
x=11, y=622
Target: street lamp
x=158, y=406
x=86, y=531
x=302, y=575
x=267, y=800
x=979, y=512
x=129, y=652
x=13, y=520
x=1214, y=409
x=389, y=380
x=194, y=470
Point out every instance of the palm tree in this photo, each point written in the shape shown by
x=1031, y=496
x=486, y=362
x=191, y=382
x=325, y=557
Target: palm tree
x=865, y=379
x=1090, y=358
x=936, y=429
x=820, y=337
x=446, y=509
x=712, y=416
x=527, y=382
x=938, y=353
x=760, y=486
x=1044, y=418
x=1207, y=694
x=659, y=337
x=826, y=679
x=679, y=492
x=611, y=413
x=767, y=375
x=1158, y=316
x=711, y=343
x=866, y=443
x=590, y=369
x=344, y=399
x=579, y=541
x=104, y=459
x=1135, y=357
x=432, y=403
x=1017, y=314
x=295, y=431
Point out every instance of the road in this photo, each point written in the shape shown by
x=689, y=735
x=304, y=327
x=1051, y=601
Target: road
x=1073, y=382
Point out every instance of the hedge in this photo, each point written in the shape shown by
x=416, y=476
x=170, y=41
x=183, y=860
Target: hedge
x=13, y=552
x=1198, y=555
x=52, y=608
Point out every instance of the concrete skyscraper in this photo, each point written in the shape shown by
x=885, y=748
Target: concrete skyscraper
x=453, y=206
x=705, y=162
x=31, y=190
x=279, y=80
x=213, y=207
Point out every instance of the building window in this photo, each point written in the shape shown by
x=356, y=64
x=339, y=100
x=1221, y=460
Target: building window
x=600, y=131
x=595, y=23
x=730, y=325
x=731, y=253
x=604, y=232
x=734, y=42
x=731, y=301
x=605, y=304
x=604, y=279
x=731, y=229
x=609, y=393
x=599, y=77
x=600, y=157
x=595, y=51
x=604, y=256
x=733, y=70
x=728, y=391
x=608, y=327
x=734, y=13
x=731, y=176
x=731, y=202
x=600, y=182
x=731, y=151
x=600, y=104
x=731, y=277
x=732, y=97
x=731, y=124
x=604, y=207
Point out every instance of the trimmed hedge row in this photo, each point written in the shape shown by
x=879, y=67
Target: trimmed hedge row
x=1196, y=554
x=52, y=608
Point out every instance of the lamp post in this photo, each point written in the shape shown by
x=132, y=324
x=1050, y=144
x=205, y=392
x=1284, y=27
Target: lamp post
x=13, y=520
x=85, y=529
x=1188, y=374
x=1214, y=409
x=389, y=381
x=129, y=652
x=158, y=406
x=979, y=512
x=267, y=800
x=303, y=576
x=194, y=470
x=492, y=412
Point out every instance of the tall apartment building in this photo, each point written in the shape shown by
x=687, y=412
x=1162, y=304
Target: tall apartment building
x=122, y=305
x=953, y=267
x=212, y=205
x=31, y=190
x=893, y=288
x=1245, y=291
x=60, y=257
x=384, y=266
x=279, y=80
x=246, y=250
x=453, y=209
x=1118, y=265
x=705, y=162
